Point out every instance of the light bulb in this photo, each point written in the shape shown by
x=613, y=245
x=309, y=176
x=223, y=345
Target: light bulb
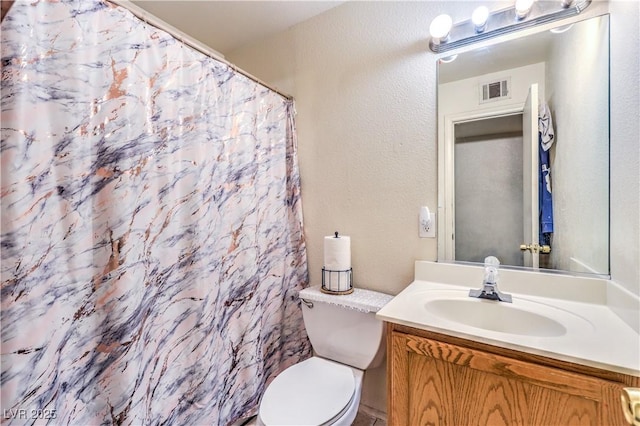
x=440, y=27
x=479, y=18
x=523, y=7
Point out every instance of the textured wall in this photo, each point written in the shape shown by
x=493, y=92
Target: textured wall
x=625, y=146
x=366, y=122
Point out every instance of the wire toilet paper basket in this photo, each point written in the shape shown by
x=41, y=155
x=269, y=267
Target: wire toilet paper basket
x=337, y=282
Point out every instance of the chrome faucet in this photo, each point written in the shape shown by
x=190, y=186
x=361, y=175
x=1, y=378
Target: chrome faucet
x=489, y=288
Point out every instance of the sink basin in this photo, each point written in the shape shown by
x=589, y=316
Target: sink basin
x=523, y=317
x=495, y=316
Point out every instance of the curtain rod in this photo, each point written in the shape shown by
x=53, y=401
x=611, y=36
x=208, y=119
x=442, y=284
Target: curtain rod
x=189, y=41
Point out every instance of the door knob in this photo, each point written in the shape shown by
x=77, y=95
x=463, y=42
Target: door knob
x=535, y=248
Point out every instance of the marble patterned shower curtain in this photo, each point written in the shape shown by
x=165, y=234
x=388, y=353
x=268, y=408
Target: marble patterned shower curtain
x=152, y=245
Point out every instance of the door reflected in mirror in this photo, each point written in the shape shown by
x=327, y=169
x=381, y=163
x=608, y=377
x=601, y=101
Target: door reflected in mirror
x=523, y=134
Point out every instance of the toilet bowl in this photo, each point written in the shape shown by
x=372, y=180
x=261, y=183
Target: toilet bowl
x=313, y=392
x=326, y=388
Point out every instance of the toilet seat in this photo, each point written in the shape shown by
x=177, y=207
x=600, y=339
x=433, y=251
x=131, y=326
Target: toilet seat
x=312, y=392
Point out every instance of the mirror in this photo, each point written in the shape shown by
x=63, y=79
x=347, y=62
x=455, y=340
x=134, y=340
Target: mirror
x=492, y=199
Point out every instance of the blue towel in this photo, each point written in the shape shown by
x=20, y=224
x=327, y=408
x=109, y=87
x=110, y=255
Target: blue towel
x=545, y=202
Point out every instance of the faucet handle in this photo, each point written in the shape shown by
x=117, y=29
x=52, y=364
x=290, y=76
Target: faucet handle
x=491, y=261
x=491, y=264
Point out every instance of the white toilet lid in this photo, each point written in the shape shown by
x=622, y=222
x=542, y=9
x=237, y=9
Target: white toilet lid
x=309, y=393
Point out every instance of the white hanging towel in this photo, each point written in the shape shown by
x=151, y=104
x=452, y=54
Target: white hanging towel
x=545, y=126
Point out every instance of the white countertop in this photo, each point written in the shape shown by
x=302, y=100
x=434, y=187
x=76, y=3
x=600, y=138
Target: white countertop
x=594, y=335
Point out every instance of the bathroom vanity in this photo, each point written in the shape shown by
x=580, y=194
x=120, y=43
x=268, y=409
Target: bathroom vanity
x=556, y=356
x=438, y=379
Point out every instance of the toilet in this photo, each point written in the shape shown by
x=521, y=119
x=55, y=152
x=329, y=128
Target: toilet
x=325, y=389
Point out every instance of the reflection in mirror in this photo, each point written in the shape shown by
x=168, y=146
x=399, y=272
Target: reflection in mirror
x=517, y=119
x=488, y=155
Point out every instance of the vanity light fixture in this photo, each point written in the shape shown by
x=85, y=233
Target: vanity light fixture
x=524, y=14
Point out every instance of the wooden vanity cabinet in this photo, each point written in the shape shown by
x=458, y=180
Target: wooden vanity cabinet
x=435, y=379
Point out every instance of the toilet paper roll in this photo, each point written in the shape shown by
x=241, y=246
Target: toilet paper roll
x=338, y=281
x=337, y=253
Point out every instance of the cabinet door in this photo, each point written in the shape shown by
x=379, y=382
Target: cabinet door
x=435, y=383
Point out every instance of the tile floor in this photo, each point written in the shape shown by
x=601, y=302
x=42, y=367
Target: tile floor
x=364, y=419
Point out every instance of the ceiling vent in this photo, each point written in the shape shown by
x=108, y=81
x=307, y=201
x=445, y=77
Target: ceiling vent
x=495, y=90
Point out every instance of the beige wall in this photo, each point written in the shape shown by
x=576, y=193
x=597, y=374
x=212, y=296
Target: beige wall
x=625, y=145
x=365, y=88
x=365, y=94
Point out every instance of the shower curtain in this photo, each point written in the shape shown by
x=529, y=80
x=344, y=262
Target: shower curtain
x=152, y=245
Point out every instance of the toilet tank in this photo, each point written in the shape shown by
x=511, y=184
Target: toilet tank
x=344, y=328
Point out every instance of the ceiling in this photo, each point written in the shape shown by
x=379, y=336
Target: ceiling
x=228, y=25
